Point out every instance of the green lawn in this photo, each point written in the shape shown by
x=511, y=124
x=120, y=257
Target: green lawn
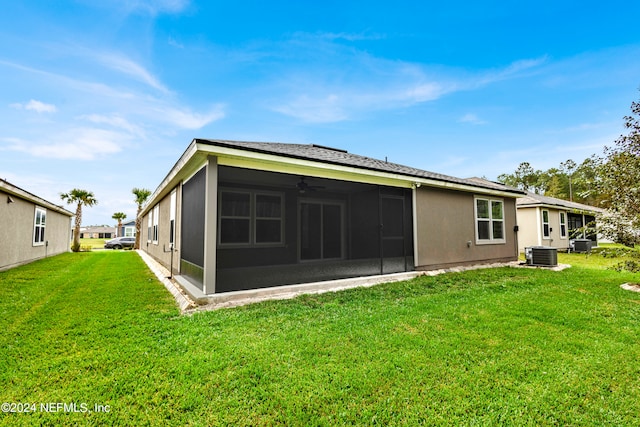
x=487, y=347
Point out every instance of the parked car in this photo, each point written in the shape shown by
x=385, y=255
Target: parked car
x=120, y=242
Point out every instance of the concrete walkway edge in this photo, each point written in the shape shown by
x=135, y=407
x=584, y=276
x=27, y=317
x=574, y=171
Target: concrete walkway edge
x=190, y=303
x=184, y=302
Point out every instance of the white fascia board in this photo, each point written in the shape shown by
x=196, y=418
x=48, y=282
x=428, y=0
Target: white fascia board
x=184, y=166
x=195, y=156
x=277, y=163
x=593, y=211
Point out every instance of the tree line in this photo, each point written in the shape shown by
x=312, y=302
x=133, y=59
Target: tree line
x=610, y=180
x=569, y=181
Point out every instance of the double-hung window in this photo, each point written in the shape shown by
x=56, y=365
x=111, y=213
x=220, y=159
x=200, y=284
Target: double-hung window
x=172, y=217
x=39, y=224
x=563, y=225
x=156, y=215
x=149, y=226
x=546, y=230
x=250, y=218
x=489, y=221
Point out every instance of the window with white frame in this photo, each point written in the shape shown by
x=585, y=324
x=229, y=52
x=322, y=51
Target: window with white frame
x=250, y=218
x=156, y=215
x=172, y=217
x=129, y=232
x=489, y=221
x=563, y=225
x=546, y=230
x=39, y=224
x=149, y=226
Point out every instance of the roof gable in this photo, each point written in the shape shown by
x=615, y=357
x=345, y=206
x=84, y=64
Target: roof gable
x=14, y=190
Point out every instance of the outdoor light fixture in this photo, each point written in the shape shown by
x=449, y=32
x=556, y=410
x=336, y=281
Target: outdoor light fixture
x=9, y=199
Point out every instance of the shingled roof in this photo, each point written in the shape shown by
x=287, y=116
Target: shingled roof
x=314, y=152
x=12, y=189
x=532, y=200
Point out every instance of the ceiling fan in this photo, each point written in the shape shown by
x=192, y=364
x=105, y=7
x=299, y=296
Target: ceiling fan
x=304, y=187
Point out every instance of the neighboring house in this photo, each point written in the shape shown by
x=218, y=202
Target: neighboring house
x=97, y=232
x=32, y=228
x=547, y=221
x=128, y=229
x=246, y=215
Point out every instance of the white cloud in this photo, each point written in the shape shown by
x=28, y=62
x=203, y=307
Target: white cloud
x=185, y=119
x=116, y=121
x=175, y=43
x=472, y=119
x=345, y=36
x=424, y=92
x=37, y=106
x=315, y=110
x=331, y=92
x=131, y=68
x=151, y=7
x=78, y=143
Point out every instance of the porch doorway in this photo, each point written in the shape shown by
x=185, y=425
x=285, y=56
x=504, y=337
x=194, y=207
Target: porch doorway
x=392, y=234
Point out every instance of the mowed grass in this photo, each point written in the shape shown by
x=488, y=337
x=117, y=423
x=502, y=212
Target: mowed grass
x=489, y=347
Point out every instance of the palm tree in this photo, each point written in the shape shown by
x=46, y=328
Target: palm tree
x=119, y=216
x=82, y=198
x=142, y=194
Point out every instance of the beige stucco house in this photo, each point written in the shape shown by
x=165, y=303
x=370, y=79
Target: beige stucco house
x=547, y=221
x=32, y=228
x=97, y=232
x=233, y=216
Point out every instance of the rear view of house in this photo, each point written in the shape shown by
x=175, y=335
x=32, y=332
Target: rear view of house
x=244, y=215
x=547, y=221
x=32, y=228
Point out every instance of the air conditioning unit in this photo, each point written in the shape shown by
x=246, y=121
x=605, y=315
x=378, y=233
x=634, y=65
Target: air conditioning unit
x=541, y=255
x=581, y=245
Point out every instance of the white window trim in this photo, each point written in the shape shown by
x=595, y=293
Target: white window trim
x=560, y=215
x=36, y=226
x=149, y=226
x=491, y=240
x=172, y=216
x=156, y=215
x=130, y=229
x=548, y=235
x=252, y=219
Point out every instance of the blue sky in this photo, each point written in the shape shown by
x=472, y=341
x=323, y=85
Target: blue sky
x=106, y=96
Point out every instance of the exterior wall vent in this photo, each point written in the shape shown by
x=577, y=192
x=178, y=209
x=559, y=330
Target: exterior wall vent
x=541, y=256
